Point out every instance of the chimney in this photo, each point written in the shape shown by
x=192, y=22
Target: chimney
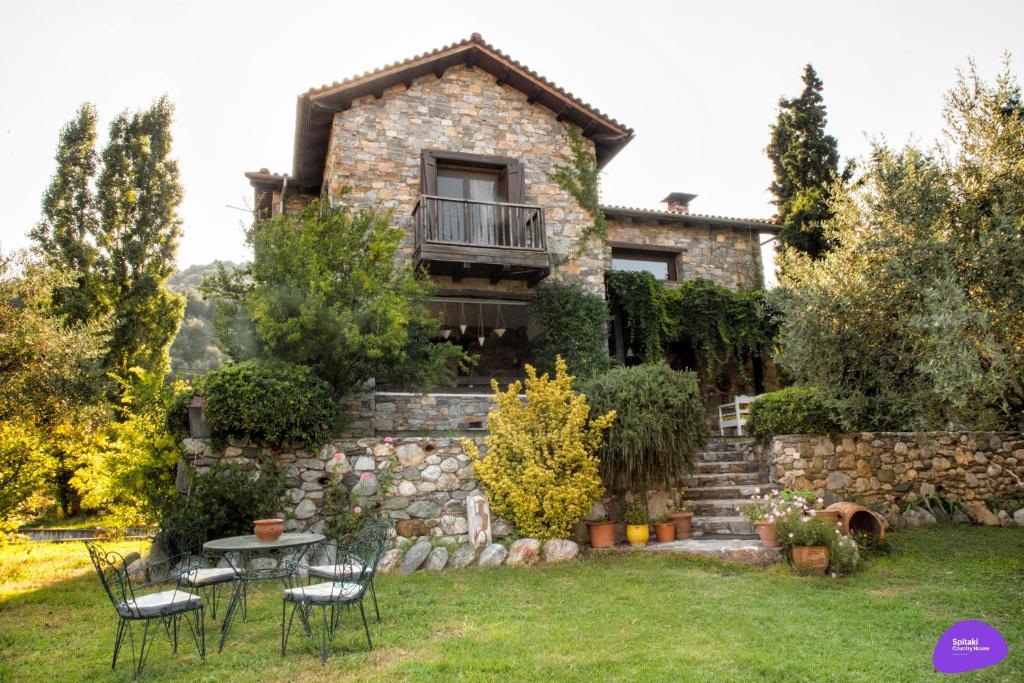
x=678, y=202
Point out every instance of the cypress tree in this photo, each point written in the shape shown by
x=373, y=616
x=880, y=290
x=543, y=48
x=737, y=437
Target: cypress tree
x=806, y=162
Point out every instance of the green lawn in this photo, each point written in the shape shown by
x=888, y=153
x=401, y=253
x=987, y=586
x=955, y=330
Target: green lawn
x=617, y=617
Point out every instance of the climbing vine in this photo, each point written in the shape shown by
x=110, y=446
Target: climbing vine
x=579, y=178
x=719, y=324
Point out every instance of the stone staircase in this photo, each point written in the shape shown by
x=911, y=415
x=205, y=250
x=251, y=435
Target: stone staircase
x=724, y=480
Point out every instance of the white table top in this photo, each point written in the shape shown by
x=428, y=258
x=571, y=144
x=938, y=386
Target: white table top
x=250, y=543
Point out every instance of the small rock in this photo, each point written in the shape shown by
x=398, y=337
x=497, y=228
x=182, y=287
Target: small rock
x=415, y=556
x=838, y=480
x=131, y=558
x=493, y=555
x=137, y=571
x=305, y=509
x=980, y=513
x=365, y=488
x=1004, y=518
x=390, y=561
x=364, y=463
x=1018, y=517
x=500, y=528
x=407, y=488
x=424, y=508
x=560, y=550
x=431, y=473
x=437, y=559
x=525, y=551
x=410, y=454
x=915, y=517
x=462, y=557
x=958, y=517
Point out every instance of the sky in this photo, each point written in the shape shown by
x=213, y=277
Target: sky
x=698, y=81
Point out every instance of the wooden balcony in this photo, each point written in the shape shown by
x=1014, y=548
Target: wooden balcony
x=494, y=240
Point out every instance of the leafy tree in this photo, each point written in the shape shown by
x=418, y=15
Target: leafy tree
x=66, y=235
x=195, y=350
x=324, y=290
x=138, y=193
x=915, y=319
x=806, y=164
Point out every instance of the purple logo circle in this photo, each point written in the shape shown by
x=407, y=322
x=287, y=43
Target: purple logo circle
x=968, y=645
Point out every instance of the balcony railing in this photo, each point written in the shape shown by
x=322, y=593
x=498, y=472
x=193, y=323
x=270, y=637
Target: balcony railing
x=465, y=222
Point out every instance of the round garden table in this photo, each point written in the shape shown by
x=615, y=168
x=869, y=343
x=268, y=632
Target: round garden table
x=256, y=560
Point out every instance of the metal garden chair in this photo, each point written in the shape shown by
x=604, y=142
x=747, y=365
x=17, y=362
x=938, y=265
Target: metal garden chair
x=331, y=598
x=371, y=540
x=203, y=575
x=135, y=603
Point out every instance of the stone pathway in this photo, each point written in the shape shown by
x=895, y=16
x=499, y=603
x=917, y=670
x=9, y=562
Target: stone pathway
x=723, y=481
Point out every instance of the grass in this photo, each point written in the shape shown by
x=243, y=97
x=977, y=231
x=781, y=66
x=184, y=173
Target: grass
x=616, y=617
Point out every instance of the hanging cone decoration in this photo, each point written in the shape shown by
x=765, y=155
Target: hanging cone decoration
x=446, y=330
x=462, y=319
x=480, y=326
x=629, y=352
x=499, y=325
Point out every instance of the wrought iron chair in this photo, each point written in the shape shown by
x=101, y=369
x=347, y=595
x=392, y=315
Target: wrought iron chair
x=331, y=597
x=167, y=606
x=367, y=545
x=204, y=576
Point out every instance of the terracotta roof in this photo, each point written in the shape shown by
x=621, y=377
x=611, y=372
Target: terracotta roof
x=621, y=211
x=316, y=107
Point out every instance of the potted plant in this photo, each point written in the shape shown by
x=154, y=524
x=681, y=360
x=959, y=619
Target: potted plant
x=805, y=536
x=664, y=528
x=636, y=525
x=682, y=518
x=602, y=532
x=761, y=513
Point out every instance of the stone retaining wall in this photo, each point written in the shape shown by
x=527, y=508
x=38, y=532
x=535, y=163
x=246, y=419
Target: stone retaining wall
x=892, y=468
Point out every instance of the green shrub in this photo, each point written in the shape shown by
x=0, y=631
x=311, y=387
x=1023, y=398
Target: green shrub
x=660, y=425
x=223, y=501
x=269, y=403
x=573, y=324
x=794, y=410
x=640, y=298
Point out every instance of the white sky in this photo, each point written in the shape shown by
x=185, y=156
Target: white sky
x=698, y=81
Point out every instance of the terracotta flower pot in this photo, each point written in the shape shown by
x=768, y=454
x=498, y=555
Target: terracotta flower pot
x=812, y=558
x=684, y=524
x=602, y=534
x=665, y=531
x=769, y=535
x=268, y=530
x=638, y=534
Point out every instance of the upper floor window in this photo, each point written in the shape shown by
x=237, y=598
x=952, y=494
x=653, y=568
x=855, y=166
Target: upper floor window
x=467, y=182
x=660, y=264
x=475, y=177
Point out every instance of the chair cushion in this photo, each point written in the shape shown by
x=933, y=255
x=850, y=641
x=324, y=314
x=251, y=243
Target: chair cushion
x=338, y=571
x=156, y=604
x=206, y=576
x=327, y=592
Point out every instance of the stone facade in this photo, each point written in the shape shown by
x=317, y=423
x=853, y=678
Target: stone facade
x=890, y=469
x=375, y=149
x=729, y=256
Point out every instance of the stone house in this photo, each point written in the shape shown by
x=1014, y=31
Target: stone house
x=460, y=144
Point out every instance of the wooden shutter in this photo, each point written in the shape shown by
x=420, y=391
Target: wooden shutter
x=428, y=174
x=513, y=183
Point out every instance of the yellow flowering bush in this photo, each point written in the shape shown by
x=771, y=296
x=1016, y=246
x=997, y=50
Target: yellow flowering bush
x=540, y=469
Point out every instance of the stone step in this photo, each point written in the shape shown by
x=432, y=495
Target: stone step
x=725, y=491
x=728, y=479
x=724, y=534
x=727, y=466
x=705, y=507
x=747, y=551
x=716, y=456
x=722, y=524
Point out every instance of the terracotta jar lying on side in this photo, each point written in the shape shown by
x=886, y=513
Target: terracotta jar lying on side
x=268, y=530
x=831, y=516
x=811, y=558
x=602, y=534
x=684, y=524
x=665, y=531
x=769, y=535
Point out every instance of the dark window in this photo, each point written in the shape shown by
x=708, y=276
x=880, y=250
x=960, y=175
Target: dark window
x=660, y=264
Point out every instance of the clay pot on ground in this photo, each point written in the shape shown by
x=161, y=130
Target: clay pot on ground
x=811, y=558
x=855, y=517
x=767, y=532
x=665, y=532
x=602, y=534
x=638, y=534
x=684, y=524
x=831, y=516
x=268, y=530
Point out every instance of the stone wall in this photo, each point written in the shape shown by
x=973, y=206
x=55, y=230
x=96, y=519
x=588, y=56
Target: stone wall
x=399, y=413
x=375, y=151
x=893, y=468
x=421, y=482
x=728, y=256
